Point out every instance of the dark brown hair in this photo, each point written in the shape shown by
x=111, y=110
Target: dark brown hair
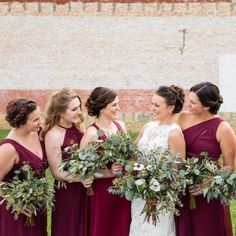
x=18, y=110
x=209, y=96
x=99, y=98
x=174, y=96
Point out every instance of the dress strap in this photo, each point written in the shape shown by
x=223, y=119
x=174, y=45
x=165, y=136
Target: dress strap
x=118, y=126
x=95, y=126
x=10, y=141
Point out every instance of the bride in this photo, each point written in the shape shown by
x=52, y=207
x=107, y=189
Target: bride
x=163, y=132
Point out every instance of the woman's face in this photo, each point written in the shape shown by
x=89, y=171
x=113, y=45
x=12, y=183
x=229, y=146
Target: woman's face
x=160, y=109
x=111, y=110
x=33, y=122
x=72, y=113
x=194, y=104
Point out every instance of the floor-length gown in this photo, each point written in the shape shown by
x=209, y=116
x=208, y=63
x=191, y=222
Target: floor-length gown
x=154, y=136
x=208, y=219
x=8, y=225
x=107, y=214
x=69, y=211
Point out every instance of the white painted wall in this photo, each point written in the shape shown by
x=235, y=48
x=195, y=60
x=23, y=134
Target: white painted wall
x=49, y=52
x=227, y=77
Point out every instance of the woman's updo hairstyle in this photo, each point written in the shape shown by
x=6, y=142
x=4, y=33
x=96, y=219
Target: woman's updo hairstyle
x=209, y=96
x=99, y=98
x=174, y=96
x=18, y=110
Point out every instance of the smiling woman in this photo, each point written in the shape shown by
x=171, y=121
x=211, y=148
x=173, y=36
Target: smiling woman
x=22, y=144
x=103, y=103
x=62, y=128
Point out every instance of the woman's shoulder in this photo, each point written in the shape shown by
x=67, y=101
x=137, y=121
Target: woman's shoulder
x=90, y=132
x=8, y=149
x=184, y=119
x=183, y=115
x=7, y=145
x=55, y=134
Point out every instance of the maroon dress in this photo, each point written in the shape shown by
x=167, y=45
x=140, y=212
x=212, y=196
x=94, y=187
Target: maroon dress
x=208, y=219
x=8, y=225
x=68, y=213
x=107, y=214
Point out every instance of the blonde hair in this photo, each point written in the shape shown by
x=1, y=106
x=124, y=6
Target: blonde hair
x=57, y=104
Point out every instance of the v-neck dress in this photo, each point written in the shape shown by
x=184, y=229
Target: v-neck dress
x=8, y=225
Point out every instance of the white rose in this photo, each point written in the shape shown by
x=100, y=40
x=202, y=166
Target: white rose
x=155, y=185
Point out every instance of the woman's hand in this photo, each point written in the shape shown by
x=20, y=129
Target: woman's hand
x=87, y=182
x=196, y=189
x=26, y=212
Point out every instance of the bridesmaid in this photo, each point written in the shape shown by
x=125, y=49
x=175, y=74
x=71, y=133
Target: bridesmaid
x=205, y=131
x=107, y=214
x=22, y=144
x=62, y=128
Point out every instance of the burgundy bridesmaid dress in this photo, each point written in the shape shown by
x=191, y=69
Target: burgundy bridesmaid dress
x=69, y=211
x=208, y=219
x=107, y=214
x=8, y=225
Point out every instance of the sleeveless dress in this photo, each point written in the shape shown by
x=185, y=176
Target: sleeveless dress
x=208, y=219
x=69, y=211
x=107, y=214
x=154, y=136
x=8, y=225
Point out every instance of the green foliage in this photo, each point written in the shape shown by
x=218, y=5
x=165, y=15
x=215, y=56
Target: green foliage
x=3, y=133
x=86, y=162
x=27, y=191
x=83, y=162
x=119, y=148
x=197, y=171
x=217, y=183
x=233, y=214
x=223, y=187
x=153, y=178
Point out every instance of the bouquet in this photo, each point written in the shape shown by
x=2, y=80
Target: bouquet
x=119, y=148
x=198, y=171
x=153, y=178
x=222, y=186
x=84, y=163
x=27, y=191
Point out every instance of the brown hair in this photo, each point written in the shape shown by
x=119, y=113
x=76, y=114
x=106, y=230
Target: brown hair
x=18, y=111
x=174, y=96
x=58, y=103
x=99, y=98
x=209, y=96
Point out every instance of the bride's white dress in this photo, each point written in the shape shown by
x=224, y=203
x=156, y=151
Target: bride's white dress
x=154, y=136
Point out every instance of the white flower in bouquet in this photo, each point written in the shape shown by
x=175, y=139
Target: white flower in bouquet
x=138, y=166
x=140, y=182
x=155, y=185
x=151, y=167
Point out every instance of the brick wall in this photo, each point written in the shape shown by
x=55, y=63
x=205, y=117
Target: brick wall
x=127, y=45
x=135, y=105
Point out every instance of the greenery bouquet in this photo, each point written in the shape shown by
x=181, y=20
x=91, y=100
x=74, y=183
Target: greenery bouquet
x=153, y=178
x=27, y=191
x=84, y=163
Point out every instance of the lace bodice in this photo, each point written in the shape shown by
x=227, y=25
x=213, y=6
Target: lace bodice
x=155, y=135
